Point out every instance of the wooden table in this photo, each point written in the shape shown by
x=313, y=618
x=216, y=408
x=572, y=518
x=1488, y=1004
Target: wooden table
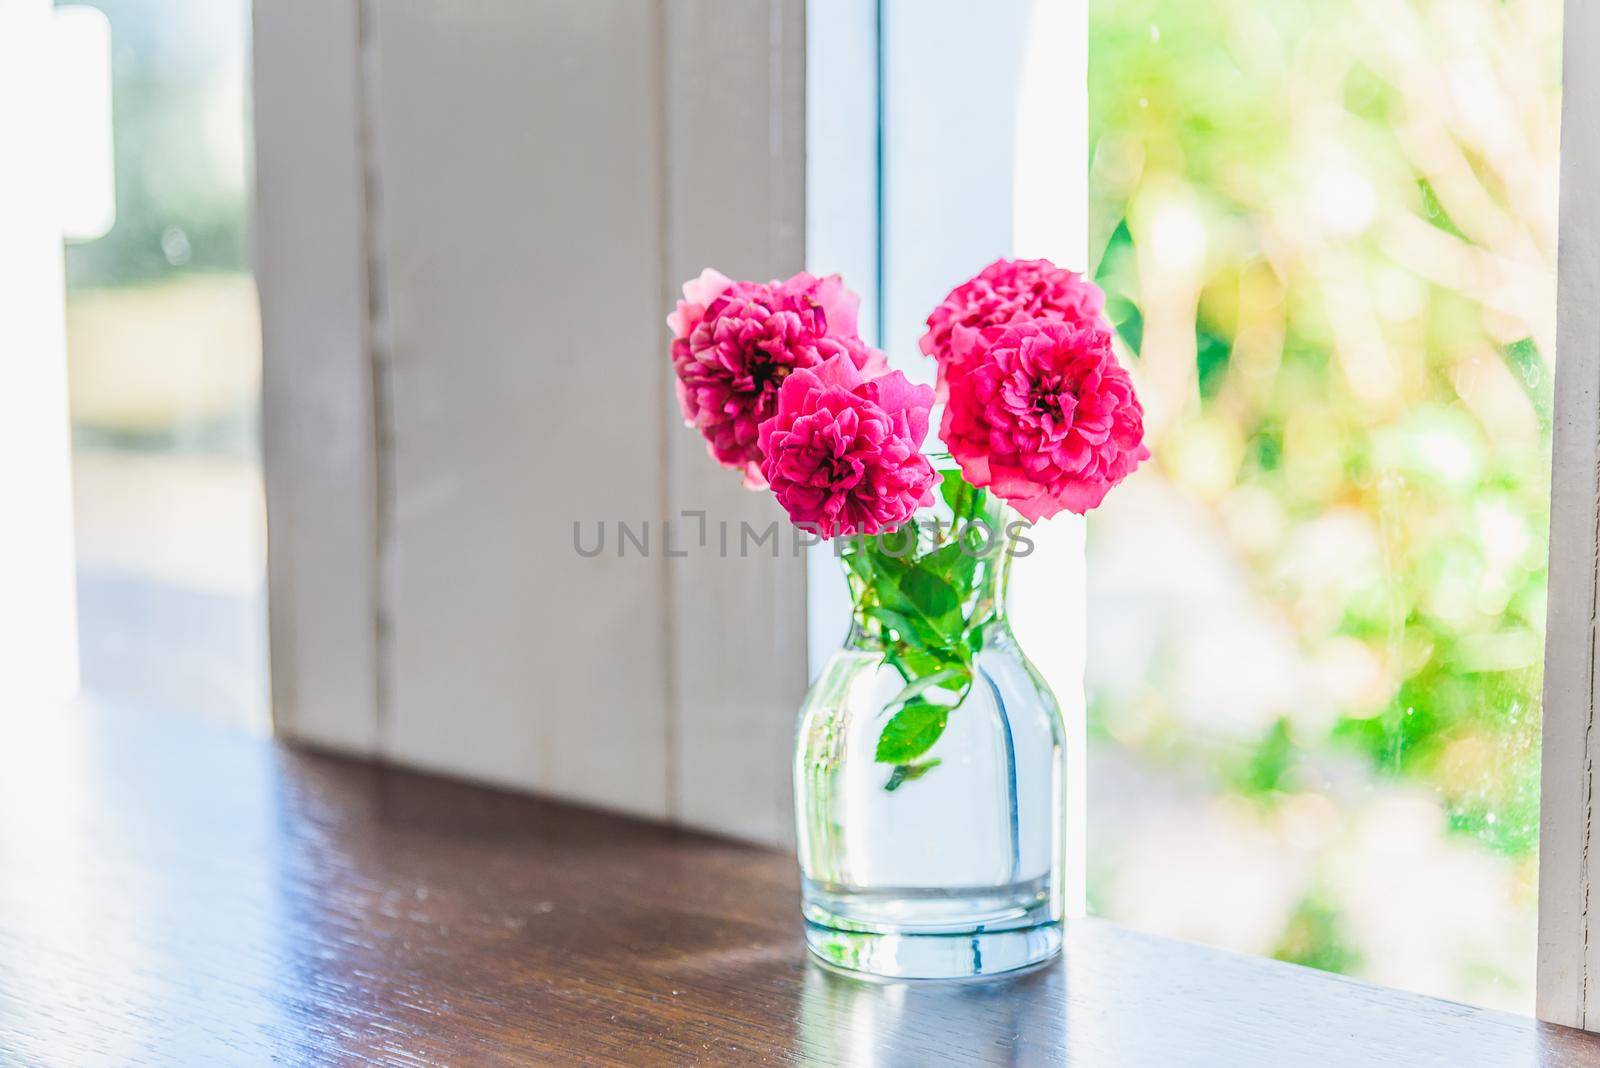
x=173, y=894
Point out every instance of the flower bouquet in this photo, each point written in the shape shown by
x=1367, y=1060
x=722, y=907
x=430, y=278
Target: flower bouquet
x=929, y=761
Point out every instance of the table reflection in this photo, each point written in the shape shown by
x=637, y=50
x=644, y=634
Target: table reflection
x=849, y=1020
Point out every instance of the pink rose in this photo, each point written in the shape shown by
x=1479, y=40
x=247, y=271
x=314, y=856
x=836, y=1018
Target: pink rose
x=1042, y=414
x=735, y=342
x=843, y=454
x=1004, y=292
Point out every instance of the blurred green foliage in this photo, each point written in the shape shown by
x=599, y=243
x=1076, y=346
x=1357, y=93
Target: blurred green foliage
x=1315, y=939
x=1328, y=233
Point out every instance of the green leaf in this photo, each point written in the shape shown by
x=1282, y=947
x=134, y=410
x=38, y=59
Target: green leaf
x=1128, y=320
x=1118, y=256
x=909, y=630
x=1212, y=353
x=897, y=546
x=954, y=677
x=921, y=606
x=975, y=638
x=955, y=562
x=883, y=566
x=859, y=561
x=1523, y=358
x=1434, y=211
x=1268, y=766
x=930, y=592
x=959, y=494
x=914, y=663
x=911, y=732
x=1118, y=275
x=919, y=601
x=904, y=773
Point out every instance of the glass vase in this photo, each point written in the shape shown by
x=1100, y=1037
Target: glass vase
x=930, y=760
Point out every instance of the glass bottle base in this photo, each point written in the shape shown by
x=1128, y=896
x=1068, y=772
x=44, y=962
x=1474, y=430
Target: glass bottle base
x=934, y=956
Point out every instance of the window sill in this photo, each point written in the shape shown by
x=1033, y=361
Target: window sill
x=186, y=894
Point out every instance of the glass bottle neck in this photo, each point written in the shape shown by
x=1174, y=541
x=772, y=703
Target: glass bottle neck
x=937, y=583
x=982, y=605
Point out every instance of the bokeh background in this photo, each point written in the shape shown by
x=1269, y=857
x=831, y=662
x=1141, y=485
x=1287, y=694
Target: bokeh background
x=1316, y=617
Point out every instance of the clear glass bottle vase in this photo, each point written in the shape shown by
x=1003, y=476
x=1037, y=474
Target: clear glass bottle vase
x=930, y=761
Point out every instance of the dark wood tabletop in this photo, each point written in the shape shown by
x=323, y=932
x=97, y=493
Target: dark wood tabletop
x=176, y=894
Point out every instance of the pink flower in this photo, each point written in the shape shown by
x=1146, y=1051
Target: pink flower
x=735, y=342
x=1042, y=414
x=843, y=454
x=1004, y=292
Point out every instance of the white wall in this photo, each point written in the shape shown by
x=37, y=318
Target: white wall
x=472, y=220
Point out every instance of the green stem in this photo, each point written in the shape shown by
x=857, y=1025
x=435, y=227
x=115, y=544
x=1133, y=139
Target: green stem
x=915, y=595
